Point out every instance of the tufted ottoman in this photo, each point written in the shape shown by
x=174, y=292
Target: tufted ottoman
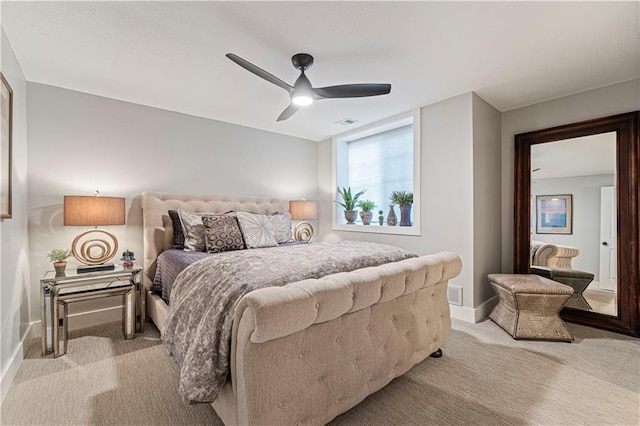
x=528, y=306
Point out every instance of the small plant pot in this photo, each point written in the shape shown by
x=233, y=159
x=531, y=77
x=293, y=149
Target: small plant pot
x=405, y=215
x=392, y=220
x=350, y=216
x=366, y=217
x=59, y=267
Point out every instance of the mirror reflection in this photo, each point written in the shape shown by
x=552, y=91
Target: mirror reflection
x=573, y=218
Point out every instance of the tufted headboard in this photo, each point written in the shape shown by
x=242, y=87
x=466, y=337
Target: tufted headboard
x=157, y=227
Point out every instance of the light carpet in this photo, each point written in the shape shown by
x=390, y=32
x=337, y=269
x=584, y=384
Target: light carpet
x=484, y=378
x=602, y=301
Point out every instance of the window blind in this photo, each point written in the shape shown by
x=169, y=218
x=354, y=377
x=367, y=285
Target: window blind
x=382, y=163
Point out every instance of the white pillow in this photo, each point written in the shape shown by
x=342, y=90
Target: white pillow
x=255, y=230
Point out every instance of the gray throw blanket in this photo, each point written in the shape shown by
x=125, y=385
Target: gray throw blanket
x=197, y=330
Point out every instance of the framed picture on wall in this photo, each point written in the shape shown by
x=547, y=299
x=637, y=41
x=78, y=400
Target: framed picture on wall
x=6, y=117
x=554, y=214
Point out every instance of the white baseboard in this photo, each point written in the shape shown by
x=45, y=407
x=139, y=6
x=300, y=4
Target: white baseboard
x=472, y=315
x=483, y=311
x=76, y=321
x=462, y=313
x=9, y=374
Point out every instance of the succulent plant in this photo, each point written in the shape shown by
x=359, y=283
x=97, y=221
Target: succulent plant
x=366, y=205
x=59, y=255
x=349, y=200
x=401, y=198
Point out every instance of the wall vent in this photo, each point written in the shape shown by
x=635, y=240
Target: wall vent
x=346, y=122
x=454, y=294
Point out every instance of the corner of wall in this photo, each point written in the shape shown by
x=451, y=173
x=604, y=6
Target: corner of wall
x=473, y=315
x=16, y=290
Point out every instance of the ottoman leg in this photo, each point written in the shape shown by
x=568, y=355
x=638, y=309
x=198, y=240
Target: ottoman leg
x=577, y=300
x=539, y=317
x=505, y=313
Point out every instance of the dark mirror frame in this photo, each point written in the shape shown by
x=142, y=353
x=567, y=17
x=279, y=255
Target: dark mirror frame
x=627, y=164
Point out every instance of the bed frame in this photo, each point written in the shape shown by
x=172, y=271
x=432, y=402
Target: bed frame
x=311, y=350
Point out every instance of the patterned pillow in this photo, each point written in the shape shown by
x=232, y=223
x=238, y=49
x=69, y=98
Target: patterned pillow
x=178, y=235
x=256, y=230
x=193, y=230
x=280, y=225
x=222, y=233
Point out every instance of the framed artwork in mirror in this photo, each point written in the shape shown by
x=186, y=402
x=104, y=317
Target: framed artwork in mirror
x=554, y=214
x=6, y=117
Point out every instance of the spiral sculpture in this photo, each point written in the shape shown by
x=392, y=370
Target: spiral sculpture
x=303, y=232
x=91, y=250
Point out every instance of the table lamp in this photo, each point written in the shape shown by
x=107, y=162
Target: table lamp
x=96, y=246
x=303, y=210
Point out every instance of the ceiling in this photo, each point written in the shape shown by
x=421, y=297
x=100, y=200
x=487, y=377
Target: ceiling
x=171, y=55
x=567, y=158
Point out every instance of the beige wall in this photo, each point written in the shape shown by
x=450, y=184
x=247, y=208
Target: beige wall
x=14, y=250
x=80, y=142
x=460, y=167
x=610, y=100
x=487, y=179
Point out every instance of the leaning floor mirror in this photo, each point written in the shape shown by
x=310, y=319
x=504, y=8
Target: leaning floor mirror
x=576, y=216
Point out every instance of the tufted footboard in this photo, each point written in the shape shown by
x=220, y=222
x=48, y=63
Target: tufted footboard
x=306, y=352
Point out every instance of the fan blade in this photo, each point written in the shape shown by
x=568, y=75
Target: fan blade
x=288, y=112
x=353, y=90
x=259, y=72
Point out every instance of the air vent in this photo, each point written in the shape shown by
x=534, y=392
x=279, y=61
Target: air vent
x=346, y=122
x=454, y=294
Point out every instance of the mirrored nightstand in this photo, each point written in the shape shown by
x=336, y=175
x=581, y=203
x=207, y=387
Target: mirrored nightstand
x=58, y=290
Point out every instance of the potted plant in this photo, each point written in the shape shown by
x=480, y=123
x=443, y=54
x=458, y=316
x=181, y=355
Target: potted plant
x=349, y=202
x=59, y=259
x=366, y=214
x=381, y=217
x=405, y=200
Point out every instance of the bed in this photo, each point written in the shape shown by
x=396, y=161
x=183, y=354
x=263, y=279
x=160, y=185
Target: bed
x=307, y=351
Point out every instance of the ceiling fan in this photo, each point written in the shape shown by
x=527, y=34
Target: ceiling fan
x=302, y=93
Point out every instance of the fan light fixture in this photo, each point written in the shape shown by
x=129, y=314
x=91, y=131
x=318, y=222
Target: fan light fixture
x=94, y=211
x=302, y=100
x=302, y=93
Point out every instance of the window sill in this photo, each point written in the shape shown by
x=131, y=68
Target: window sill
x=377, y=229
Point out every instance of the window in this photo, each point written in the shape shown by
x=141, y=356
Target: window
x=381, y=158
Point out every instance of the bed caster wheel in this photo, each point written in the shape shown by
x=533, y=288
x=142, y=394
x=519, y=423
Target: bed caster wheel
x=436, y=354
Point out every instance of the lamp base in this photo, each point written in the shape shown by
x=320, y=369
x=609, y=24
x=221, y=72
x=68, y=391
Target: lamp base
x=303, y=232
x=95, y=268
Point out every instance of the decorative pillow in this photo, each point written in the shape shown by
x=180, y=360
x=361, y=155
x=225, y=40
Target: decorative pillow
x=193, y=230
x=222, y=233
x=280, y=225
x=256, y=230
x=178, y=235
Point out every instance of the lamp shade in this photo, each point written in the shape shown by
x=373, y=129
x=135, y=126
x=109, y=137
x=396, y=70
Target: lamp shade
x=93, y=211
x=303, y=210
